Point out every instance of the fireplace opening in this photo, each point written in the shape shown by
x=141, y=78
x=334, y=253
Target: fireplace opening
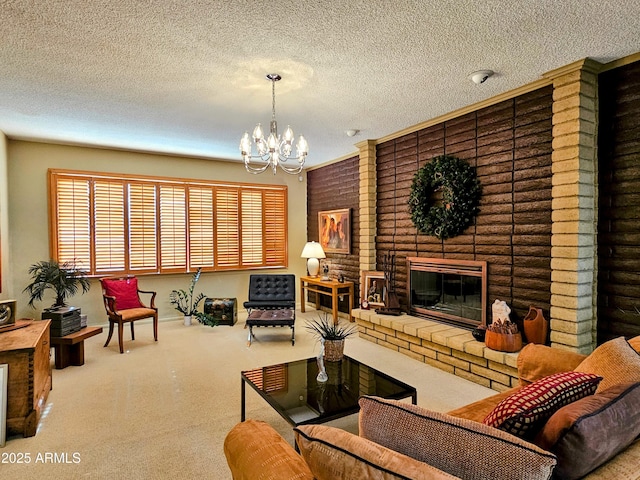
x=451, y=291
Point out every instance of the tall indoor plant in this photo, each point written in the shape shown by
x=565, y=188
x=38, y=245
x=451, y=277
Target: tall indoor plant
x=187, y=305
x=64, y=279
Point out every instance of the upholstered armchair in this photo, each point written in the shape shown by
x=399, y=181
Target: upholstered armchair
x=271, y=302
x=123, y=305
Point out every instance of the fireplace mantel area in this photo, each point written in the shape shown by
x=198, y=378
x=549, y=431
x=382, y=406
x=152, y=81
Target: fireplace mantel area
x=447, y=347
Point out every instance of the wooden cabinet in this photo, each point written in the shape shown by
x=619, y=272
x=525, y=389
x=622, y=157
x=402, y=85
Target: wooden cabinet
x=27, y=352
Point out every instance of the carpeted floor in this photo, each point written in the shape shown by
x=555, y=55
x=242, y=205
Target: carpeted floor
x=162, y=410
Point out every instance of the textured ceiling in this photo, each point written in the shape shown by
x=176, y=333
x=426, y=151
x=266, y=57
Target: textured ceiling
x=188, y=77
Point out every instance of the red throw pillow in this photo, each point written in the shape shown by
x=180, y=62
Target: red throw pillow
x=525, y=412
x=125, y=291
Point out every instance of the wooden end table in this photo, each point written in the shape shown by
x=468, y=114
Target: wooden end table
x=69, y=350
x=329, y=288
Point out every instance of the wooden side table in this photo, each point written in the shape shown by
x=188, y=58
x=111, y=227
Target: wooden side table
x=69, y=350
x=328, y=288
x=26, y=351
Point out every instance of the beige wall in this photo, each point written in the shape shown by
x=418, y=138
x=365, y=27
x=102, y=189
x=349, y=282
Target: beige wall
x=6, y=291
x=28, y=163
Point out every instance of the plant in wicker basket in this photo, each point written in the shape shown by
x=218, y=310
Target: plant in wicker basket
x=331, y=335
x=503, y=326
x=503, y=336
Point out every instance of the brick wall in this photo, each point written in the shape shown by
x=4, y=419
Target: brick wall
x=619, y=203
x=510, y=145
x=333, y=187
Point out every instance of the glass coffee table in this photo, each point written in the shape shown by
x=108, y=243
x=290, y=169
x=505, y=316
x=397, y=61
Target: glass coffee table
x=293, y=391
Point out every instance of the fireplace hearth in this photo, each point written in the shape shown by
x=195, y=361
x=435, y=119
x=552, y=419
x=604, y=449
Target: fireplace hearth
x=450, y=291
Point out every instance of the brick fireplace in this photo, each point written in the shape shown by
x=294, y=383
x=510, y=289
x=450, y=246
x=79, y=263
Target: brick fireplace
x=544, y=225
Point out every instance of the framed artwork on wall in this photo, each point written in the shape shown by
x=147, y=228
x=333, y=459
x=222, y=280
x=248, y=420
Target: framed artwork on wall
x=335, y=230
x=372, y=289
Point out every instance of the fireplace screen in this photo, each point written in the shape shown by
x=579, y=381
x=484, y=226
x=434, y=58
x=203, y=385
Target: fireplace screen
x=446, y=290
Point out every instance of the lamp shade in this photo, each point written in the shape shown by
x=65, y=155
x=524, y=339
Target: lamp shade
x=313, y=251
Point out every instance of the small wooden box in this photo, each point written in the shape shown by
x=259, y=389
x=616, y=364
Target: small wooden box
x=224, y=309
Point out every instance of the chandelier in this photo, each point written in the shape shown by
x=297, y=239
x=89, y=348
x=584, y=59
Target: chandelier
x=274, y=150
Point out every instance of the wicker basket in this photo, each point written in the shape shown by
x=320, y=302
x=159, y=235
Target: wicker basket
x=503, y=342
x=333, y=350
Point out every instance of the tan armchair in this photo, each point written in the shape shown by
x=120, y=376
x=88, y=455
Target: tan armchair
x=123, y=305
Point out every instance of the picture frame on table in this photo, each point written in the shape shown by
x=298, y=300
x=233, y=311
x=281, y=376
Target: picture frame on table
x=7, y=313
x=334, y=227
x=373, y=288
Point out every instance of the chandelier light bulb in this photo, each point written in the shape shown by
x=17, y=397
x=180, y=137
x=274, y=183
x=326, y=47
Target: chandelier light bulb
x=288, y=135
x=258, y=133
x=302, y=147
x=275, y=150
x=272, y=142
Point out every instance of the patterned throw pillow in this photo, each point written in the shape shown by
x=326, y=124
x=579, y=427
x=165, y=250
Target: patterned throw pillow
x=525, y=412
x=460, y=447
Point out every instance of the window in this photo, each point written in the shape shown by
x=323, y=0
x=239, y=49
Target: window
x=125, y=224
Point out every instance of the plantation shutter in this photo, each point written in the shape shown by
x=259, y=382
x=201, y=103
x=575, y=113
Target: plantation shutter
x=227, y=227
x=119, y=224
x=173, y=228
x=143, y=240
x=109, y=228
x=252, y=253
x=275, y=228
x=200, y=227
x=73, y=221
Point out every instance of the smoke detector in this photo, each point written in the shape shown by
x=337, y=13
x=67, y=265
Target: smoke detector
x=480, y=76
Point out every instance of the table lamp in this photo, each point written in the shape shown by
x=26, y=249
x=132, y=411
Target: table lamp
x=312, y=251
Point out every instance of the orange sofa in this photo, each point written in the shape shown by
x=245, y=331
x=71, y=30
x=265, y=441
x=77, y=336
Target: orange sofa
x=595, y=437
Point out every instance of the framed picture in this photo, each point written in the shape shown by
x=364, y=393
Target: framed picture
x=335, y=230
x=7, y=313
x=372, y=288
x=4, y=373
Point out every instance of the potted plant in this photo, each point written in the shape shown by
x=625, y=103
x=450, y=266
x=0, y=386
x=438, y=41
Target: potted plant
x=64, y=279
x=331, y=335
x=503, y=336
x=186, y=304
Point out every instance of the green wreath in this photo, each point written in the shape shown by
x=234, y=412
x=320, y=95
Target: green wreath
x=460, y=188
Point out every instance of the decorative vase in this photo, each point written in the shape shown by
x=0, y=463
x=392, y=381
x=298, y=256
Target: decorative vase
x=479, y=333
x=503, y=342
x=535, y=326
x=333, y=350
x=187, y=320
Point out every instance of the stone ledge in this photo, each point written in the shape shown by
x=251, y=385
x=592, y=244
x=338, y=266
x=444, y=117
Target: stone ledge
x=449, y=348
